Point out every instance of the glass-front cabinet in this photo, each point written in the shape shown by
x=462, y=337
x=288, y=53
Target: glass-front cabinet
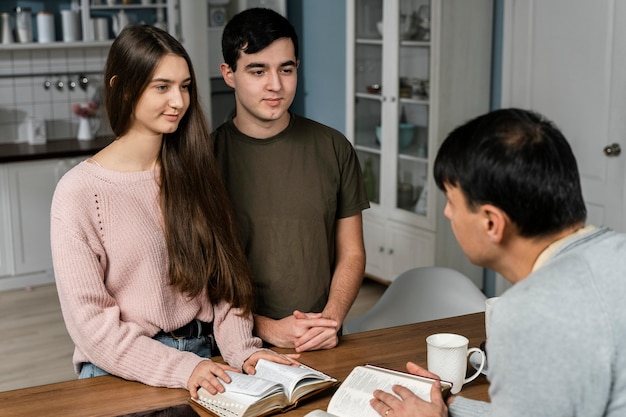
x=391, y=102
x=398, y=108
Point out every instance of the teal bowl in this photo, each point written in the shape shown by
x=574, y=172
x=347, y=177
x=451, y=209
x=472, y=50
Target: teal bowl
x=406, y=134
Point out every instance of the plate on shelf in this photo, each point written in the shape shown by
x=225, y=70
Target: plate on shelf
x=474, y=360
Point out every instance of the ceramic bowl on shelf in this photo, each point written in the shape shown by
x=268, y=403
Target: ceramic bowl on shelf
x=406, y=133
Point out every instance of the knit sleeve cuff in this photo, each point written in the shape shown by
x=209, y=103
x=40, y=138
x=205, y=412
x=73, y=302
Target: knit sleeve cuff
x=463, y=407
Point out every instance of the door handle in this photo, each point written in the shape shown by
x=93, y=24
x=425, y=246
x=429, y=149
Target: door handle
x=612, y=149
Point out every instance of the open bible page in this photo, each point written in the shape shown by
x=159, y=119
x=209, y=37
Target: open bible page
x=287, y=376
x=250, y=385
x=352, y=399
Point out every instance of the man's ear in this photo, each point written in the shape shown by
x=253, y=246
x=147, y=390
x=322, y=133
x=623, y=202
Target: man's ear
x=495, y=222
x=227, y=74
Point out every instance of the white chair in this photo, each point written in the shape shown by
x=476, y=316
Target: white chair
x=421, y=294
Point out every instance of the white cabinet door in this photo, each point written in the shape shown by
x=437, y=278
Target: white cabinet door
x=31, y=186
x=392, y=248
x=375, y=251
x=410, y=247
x=567, y=59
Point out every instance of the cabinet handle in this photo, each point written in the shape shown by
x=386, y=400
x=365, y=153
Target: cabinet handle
x=381, y=249
x=613, y=150
x=390, y=251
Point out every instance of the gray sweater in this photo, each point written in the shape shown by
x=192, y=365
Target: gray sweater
x=557, y=342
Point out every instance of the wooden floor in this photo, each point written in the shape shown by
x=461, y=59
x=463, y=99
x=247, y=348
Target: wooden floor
x=36, y=349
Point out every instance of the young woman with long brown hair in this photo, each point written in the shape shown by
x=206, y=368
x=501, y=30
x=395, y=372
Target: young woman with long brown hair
x=147, y=264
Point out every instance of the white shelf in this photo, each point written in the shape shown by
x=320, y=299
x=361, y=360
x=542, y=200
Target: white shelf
x=128, y=6
x=54, y=45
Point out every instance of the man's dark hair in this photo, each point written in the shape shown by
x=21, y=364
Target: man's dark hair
x=253, y=30
x=518, y=161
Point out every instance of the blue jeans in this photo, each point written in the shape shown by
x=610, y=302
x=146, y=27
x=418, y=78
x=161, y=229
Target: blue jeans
x=201, y=346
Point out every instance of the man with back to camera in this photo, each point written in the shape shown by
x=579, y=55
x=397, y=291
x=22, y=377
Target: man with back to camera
x=557, y=338
x=296, y=187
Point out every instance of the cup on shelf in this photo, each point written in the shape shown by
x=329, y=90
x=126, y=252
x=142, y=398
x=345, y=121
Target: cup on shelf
x=70, y=22
x=45, y=27
x=100, y=28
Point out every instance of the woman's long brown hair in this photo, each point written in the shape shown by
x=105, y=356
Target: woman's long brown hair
x=198, y=218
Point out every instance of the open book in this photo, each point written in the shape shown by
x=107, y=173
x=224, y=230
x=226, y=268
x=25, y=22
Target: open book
x=275, y=387
x=352, y=399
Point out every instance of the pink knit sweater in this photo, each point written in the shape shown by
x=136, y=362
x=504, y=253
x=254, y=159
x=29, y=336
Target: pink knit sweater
x=110, y=262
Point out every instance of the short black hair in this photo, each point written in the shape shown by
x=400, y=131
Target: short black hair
x=253, y=30
x=518, y=161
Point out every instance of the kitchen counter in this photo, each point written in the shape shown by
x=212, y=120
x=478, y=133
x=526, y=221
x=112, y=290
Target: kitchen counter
x=66, y=148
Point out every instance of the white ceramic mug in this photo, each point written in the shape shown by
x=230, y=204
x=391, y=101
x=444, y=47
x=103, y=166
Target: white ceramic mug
x=489, y=302
x=447, y=358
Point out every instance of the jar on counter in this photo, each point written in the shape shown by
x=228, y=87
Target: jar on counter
x=24, y=24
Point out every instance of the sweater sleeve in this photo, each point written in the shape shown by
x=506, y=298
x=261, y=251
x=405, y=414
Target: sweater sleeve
x=233, y=334
x=462, y=407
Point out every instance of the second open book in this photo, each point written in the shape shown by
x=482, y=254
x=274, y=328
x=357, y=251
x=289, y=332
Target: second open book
x=352, y=399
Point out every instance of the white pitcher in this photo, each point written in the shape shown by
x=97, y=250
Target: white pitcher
x=120, y=21
x=87, y=128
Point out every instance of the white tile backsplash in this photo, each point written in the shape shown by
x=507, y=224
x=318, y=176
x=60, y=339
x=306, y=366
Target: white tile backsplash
x=22, y=93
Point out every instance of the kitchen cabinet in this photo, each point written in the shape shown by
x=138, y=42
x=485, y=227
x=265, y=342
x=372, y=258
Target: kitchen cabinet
x=394, y=247
x=415, y=70
x=162, y=13
x=28, y=187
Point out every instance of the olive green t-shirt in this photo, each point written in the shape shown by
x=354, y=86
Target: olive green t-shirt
x=288, y=191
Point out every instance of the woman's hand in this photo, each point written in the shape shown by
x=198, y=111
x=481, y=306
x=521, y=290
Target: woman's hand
x=270, y=355
x=206, y=375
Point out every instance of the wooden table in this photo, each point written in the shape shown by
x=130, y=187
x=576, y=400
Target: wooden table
x=112, y=396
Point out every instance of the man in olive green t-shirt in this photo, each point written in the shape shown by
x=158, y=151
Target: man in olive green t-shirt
x=296, y=187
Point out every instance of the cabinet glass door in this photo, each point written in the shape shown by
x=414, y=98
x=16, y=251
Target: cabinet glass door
x=368, y=81
x=413, y=105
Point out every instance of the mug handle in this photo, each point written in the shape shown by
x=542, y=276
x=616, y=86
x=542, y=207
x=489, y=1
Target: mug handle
x=483, y=360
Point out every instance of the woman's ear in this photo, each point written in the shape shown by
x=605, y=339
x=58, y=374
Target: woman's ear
x=495, y=222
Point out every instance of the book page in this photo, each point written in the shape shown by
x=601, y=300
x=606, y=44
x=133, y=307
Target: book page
x=250, y=385
x=286, y=375
x=352, y=399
